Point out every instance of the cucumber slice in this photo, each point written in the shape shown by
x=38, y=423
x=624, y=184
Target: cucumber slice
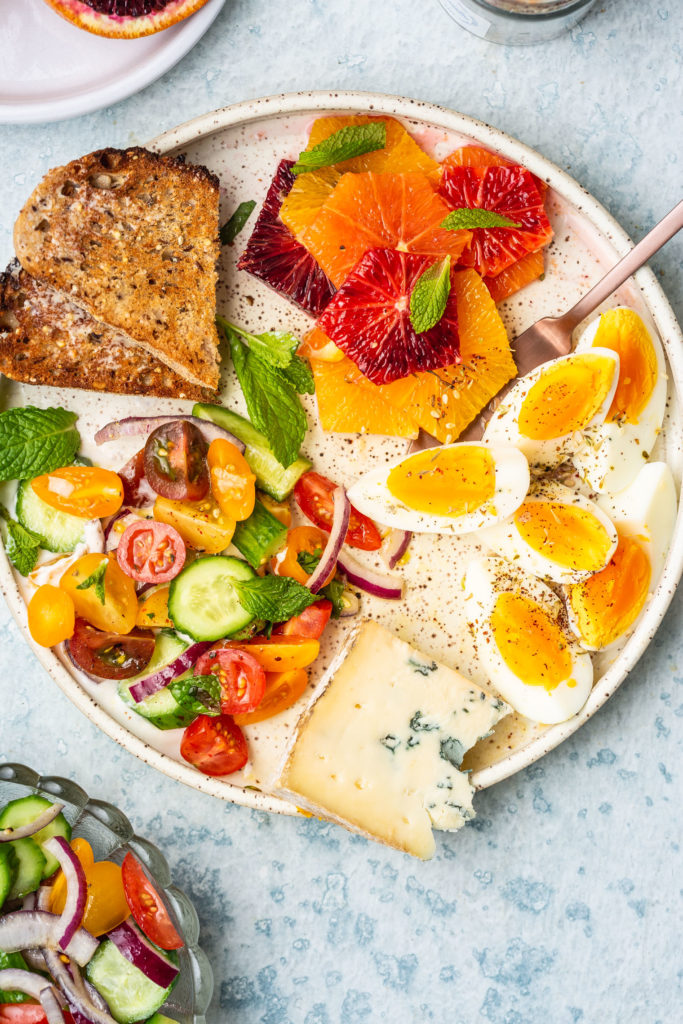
x=271, y=476
x=30, y=867
x=25, y=810
x=159, y=1018
x=130, y=994
x=202, y=601
x=8, y=871
x=161, y=709
x=58, y=530
x=259, y=536
x=12, y=961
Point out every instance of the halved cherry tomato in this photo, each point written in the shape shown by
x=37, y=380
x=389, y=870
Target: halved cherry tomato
x=233, y=484
x=202, y=526
x=311, y=622
x=307, y=539
x=313, y=494
x=108, y=655
x=51, y=616
x=151, y=552
x=242, y=679
x=282, y=690
x=279, y=509
x=105, y=906
x=175, y=461
x=117, y=612
x=136, y=488
x=26, y=1013
x=147, y=907
x=153, y=610
x=84, y=491
x=214, y=745
x=279, y=653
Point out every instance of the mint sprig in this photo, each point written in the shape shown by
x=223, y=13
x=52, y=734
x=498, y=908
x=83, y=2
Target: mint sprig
x=345, y=144
x=22, y=545
x=200, y=695
x=430, y=294
x=96, y=580
x=35, y=441
x=234, y=225
x=274, y=347
x=274, y=598
x=469, y=218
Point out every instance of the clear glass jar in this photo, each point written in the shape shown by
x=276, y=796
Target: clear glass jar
x=517, y=22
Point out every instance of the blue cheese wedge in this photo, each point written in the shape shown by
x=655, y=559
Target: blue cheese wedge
x=380, y=746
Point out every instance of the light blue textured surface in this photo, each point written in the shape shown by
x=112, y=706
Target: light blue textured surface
x=561, y=903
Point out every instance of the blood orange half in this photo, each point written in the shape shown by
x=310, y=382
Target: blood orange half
x=125, y=19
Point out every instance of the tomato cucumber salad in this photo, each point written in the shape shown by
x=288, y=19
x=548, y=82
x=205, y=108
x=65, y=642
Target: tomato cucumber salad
x=81, y=941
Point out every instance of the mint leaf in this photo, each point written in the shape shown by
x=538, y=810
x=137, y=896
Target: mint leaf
x=334, y=590
x=308, y=560
x=200, y=695
x=299, y=375
x=35, y=441
x=96, y=580
x=232, y=227
x=430, y=294
x=274, y=598
x=274, y=347
x=354, y=140
x=22, y=545
x=468, y=218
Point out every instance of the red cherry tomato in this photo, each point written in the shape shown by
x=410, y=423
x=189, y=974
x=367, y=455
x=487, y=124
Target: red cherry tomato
x=313, y=494
x=151, y=552
x=110, y=655
x=146, y=905
x=311, y=622
x=26, y=1013
x=175, y=461
x=242, y=678
x=136, y=489
x=215, y=745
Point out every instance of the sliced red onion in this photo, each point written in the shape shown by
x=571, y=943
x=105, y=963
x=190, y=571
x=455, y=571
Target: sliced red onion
x=340, y=524
x=86, y=1004
x=137, y=948
x=76, y=887
x=34, y=985
x=43, y=896
x=142, y=588
x=395, y=546
x=37, y=929
x=34, y=958
x=372, y=582
x=111, y=536
x=29, y=901
x=133, y=426
x=151, y=684
x=49, y=1002
x=43, y=819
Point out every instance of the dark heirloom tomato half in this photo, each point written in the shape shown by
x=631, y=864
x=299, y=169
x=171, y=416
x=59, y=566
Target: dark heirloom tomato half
x=175, y=461
x=110, y=655
x=146, y=905
x=136, y=489
x=242, y=678
x=151, y=552
x=215, y=745
x=313, y=494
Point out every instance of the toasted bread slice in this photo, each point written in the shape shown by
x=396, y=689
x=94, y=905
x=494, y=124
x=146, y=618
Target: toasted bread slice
x=132, y=238
x=45, y=339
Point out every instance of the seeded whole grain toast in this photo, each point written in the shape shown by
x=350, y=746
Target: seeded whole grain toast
x=45, y=339
x=132, y=238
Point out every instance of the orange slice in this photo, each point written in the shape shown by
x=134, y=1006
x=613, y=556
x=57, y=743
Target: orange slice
x=349, y=403
x=317, y=345
x=474, y=156
x=517, y=276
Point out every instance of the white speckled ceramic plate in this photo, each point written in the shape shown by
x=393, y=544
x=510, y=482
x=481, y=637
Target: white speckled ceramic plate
x=243, y=145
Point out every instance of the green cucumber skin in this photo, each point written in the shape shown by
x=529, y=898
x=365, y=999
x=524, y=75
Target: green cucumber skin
x=189, y=622
x=260, y=536
x=58, y=531
x=114, y=977
x=30, y=868
x=25, y=810
x=271, y=477
x=8, y=872
x=13, y=961
x=161, y=709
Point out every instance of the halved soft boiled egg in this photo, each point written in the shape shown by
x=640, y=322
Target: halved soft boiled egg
x=455, y=488
x=546, y=409
x=604, y=607
x=613, y=451
x=556, y=534
x=519, y=628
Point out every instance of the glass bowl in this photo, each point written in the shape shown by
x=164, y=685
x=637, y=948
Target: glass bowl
x=111, y=836
x=517, y=22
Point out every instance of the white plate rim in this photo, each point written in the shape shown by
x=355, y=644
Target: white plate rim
x=149, y=70
x=658, y=306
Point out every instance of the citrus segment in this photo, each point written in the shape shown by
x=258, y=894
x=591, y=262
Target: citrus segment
x=125, y=19
x=369, y=319
x=275, y=257
x=380, y=211
x=478, y=156
x=509, y=191
x=316, y=345
x=306, y=198
x=349, y=403
x=516, y=276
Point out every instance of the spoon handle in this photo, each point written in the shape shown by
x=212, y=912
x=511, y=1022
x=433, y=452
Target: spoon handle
x=632, y=261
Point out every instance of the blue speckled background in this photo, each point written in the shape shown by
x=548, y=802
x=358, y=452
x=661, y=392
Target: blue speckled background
x=561, y=903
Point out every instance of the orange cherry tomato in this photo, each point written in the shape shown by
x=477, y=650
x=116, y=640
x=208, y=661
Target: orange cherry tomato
x=153, y=610
x=282, y=690
x=85, y=491
x=106, y=906
x=307, y=539
x=233, y=484
x=118, y=611
x=281, y=653
x=279, y=509
x=51, y=616
x=202, y=524
x=146, y=906
x=311, y=623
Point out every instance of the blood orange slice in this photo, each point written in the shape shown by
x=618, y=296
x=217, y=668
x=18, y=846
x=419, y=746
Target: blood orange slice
x=349, y=403
x=274, y=255
x=380, y=211
x=369, y=319
x=516, y=276
x=125, y=19
x=509, y=191
x=477, y=156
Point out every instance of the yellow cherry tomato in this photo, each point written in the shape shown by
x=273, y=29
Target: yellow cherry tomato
x=307, y=539
x=85, y=491
x=202, y=524
x=280, y=653
x=105, y=906
x=153, y=610
x=279, y=509
x=51, y=616
x=282, y=690
x=233, y=484
x=113, y=610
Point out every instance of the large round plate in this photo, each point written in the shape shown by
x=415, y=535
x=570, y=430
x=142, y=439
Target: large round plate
x=243, y=144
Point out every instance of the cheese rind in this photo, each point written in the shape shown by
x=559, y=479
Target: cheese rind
x=379, y=748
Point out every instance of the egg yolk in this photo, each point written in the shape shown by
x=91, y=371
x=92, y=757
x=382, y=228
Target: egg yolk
x=566, y=397
x=566, y=534
x=607, y=604
x=445, y=481
x=622, y=331
x=531, y=643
